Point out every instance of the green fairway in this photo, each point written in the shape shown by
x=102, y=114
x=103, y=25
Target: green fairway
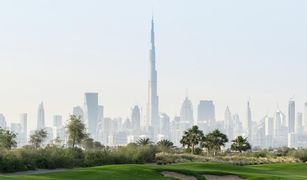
x=150, y=171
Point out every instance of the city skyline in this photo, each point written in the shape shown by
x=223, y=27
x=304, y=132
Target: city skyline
x=53, y=74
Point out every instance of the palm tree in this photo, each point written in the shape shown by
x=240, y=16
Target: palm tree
x=7, y=139
x=165, y=145
x=76, y=130
x=214, y=140
x=38, y=137
x=192, y=137
x=143, y=141
x=240, y=144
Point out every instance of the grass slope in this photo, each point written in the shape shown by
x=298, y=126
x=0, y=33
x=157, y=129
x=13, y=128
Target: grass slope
x=150, y=171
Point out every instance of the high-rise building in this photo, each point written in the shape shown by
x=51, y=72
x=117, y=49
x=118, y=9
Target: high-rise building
x=206, y=112
x=305, y=114
x=299, y=123
x=40, y=117
x=269, y=125
x=99, y=128
x=57, y=121
x=153, y=118
x=291, y=116
x=91, y=113
x=228, y=125
x=237, y=125
x=277, y=124
x=136, y=118
x=78, y=111
x=249, y=123
x=186, y=112
x=24, y=128
x=165, y=125
x=100, y=113
x=2, y=121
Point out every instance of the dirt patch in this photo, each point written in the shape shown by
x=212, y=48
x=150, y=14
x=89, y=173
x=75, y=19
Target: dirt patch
x=38, y=171
x=178, y=175
x=226, y=177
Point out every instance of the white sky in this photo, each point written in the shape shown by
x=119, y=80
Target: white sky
x=228, y=51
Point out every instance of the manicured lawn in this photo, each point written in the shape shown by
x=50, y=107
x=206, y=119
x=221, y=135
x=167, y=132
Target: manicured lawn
x=151, y=171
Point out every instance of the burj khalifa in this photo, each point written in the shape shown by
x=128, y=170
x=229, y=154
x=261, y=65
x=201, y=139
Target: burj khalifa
x=153, y=119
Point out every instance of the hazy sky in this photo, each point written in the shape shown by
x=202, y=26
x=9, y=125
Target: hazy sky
x=228, y=51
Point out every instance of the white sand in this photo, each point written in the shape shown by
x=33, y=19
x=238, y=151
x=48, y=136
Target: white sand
x=226, y=177
x=178, y=175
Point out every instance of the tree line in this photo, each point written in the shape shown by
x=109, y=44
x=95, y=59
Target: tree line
x=193, y=139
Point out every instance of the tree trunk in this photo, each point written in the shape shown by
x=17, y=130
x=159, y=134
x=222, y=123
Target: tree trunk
x=192, y=152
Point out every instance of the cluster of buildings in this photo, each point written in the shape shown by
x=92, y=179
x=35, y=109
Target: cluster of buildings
x=278, y=130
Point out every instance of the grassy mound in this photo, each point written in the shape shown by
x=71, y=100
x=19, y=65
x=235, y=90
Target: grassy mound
x=197, y=169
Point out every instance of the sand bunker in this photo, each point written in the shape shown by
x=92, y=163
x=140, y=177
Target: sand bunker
x=178, y=175
x=226, y=177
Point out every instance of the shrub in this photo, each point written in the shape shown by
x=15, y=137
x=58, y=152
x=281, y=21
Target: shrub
x=301, y=155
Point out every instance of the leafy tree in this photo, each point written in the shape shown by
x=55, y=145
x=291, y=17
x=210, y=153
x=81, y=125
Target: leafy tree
x=57, y=142
x=7, y=139
x=38, y=138
x=87, y=143
x=143, y=141
x=165, y=145
x=214, y=140
x=98, y=145
x=240, y=144
x=76, y=130
x=192, y=137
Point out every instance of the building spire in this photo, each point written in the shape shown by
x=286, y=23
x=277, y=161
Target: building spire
x=152, y=32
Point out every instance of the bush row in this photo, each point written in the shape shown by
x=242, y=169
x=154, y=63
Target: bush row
x=50, y=157
x=238, y=159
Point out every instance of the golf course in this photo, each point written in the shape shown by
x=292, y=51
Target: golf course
x=194, y=170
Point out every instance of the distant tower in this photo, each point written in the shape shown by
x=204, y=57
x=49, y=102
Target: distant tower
x=2, y=121
x=305, y=114
x=78, y=111
x=165, y=125
x=153, y=118
x=57, y=121
x=291, y=116
x=249, y=122
x=40, y=117
x=206, y=112
x=136, y=118
x=186, y=112
x=228, y=125
x=299, y=123
x=91, y=113
x=24, y=128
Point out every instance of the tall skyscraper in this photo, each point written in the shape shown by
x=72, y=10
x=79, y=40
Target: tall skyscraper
x=40, y=117
x=277, y=124
x=228, y=125
x=249, y=123
x=206, y=112
x=299, y=123
x=165, y=125
x=24, y=128
x=305, y=114
x=153, y=119
x=2, y=121
x=57, y=121
x=78, y=111
x=136, y=118
x=91, y=113
x=291, y=116
x=186, y=112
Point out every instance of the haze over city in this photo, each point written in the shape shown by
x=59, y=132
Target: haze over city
x=153, y=89
x=230, y=52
